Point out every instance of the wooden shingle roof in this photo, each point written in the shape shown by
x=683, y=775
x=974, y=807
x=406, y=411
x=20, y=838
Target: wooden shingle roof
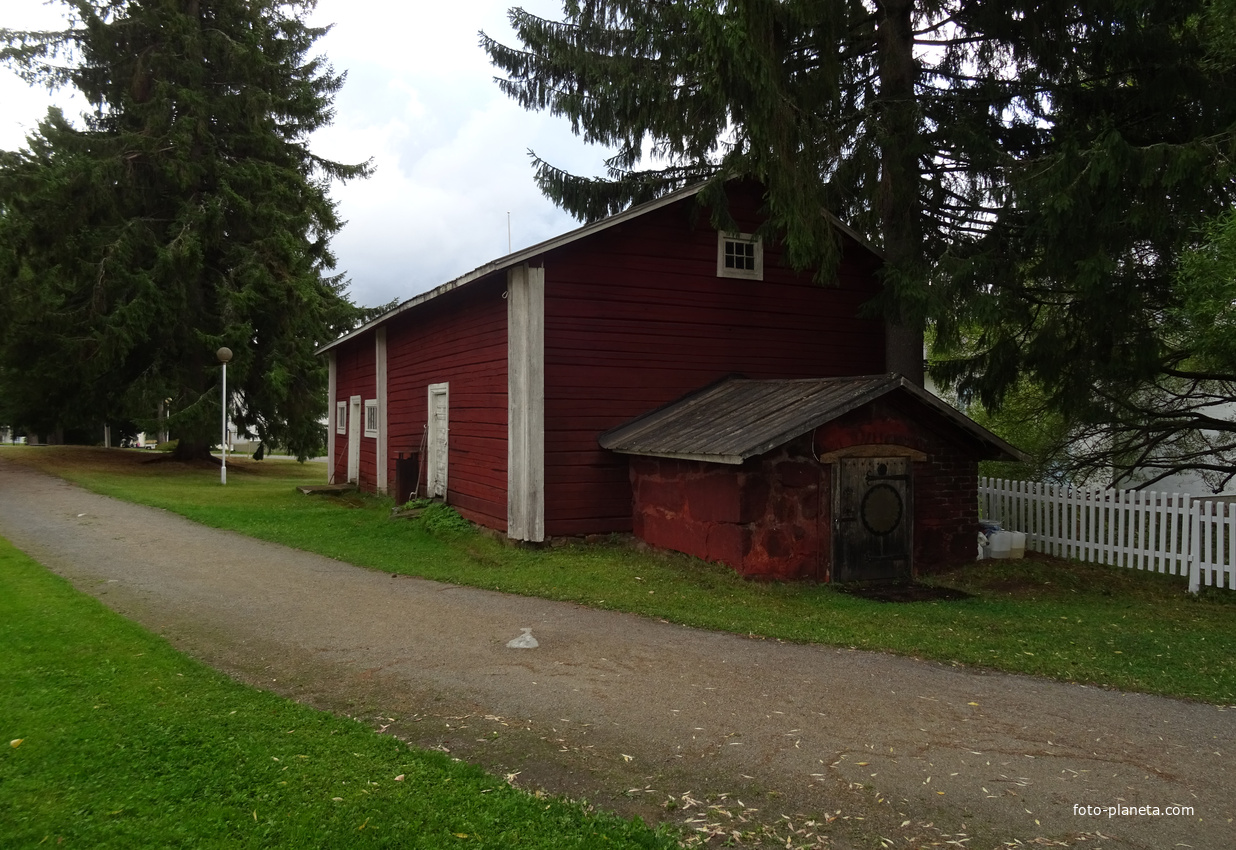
x=740, y=418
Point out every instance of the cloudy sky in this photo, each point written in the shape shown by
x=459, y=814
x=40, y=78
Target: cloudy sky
x=450, y=149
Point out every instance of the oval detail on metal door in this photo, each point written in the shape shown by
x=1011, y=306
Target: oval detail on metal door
x=881, y=509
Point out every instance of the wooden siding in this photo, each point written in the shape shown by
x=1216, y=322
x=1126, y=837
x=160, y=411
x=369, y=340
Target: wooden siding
x=355, y=375
x=636, y=317
x=459, y=339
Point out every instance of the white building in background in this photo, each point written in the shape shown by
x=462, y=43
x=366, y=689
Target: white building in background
x=1197, y=483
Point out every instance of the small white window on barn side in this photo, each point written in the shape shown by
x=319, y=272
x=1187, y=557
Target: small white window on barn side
x=341, y=417
x=371, y=417
x=740, y=255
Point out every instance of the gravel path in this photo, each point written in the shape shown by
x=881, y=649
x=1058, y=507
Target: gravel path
x=646, y=717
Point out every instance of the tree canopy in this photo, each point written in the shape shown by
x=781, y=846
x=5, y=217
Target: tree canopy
x=1033, y=171
x=185, y=213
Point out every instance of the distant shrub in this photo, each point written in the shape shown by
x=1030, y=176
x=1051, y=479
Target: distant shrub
x=168, y=446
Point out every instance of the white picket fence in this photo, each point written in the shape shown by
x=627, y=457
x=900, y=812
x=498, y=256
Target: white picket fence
x=1170, y=533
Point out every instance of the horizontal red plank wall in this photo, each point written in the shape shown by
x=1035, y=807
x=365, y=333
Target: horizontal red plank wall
x=460, y=339
x=636, y=317
x=355, y=374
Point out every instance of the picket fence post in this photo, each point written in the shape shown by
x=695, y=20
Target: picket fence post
x=1194, y=547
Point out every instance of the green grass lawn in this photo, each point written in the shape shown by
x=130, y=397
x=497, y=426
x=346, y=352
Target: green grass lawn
x=1064, y=620
x=119, y=741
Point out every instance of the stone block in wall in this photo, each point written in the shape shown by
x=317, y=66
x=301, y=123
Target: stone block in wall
x=667, y=494
x=784, y=507
x=797, y=473
x=728, y=544
x=713, y=496
x=753, y=498
x=674, y=532
x=809, y=504
x=776, y=543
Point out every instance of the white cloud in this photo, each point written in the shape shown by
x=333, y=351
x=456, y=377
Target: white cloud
x=450, y=150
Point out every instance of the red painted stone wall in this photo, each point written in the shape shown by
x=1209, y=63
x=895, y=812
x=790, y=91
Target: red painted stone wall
x=762, y=518
x=945, y=486
x=771, y=518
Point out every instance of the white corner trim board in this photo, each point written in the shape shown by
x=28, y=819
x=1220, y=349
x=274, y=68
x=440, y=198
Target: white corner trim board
x=383, y=446
x=332, y=417
x=525, y=492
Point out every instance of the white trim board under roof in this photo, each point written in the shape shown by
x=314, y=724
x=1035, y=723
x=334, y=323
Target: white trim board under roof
x=531, y=252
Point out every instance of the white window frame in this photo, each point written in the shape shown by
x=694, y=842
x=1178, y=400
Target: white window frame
x=371, y=417
x=756, y=273
x=341, y=417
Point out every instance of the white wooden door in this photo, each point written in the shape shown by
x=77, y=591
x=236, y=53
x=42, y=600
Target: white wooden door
x=438, y=442
x=354, y=439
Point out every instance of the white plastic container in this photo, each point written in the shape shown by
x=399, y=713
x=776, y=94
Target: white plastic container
x=1001, y=544
x=1018, y=548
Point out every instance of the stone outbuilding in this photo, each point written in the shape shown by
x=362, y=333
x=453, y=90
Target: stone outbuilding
x=832, y=479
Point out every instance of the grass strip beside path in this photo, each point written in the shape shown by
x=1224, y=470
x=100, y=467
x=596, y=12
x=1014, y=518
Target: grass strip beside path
x=1065, y=620
x=119, y=741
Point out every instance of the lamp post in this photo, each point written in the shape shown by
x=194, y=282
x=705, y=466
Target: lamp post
x=224, y=354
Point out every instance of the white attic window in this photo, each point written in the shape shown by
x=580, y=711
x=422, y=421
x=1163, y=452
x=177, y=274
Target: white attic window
x=740, y=255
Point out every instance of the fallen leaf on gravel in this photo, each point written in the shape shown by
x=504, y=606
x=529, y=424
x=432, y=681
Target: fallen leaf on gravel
x=626, y=757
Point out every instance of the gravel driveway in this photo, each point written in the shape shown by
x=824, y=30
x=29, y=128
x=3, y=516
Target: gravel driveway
x=650, y=718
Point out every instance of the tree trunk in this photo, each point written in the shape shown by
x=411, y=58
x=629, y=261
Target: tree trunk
x=193, y=450
x=898, y=198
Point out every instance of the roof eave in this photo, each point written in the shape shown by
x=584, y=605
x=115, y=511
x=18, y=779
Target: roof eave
x=514, y=259
x=732, y=459
x=518, y=257
x=976, y=430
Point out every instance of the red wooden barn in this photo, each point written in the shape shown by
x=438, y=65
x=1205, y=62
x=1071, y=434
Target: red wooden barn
x=509, y=375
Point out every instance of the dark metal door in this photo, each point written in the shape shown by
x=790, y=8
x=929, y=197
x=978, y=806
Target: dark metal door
x=872, y=519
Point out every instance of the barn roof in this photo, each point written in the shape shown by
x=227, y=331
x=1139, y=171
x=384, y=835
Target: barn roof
x=739, y=418
x=534, y=251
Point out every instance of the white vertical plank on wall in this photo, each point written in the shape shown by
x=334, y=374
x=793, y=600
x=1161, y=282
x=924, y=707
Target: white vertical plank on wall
x=383, y=447
x=526, y=403
x=331, y=438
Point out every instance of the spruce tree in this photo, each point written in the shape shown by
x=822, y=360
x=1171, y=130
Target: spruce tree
x=1032, y=170
x=185, y=213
